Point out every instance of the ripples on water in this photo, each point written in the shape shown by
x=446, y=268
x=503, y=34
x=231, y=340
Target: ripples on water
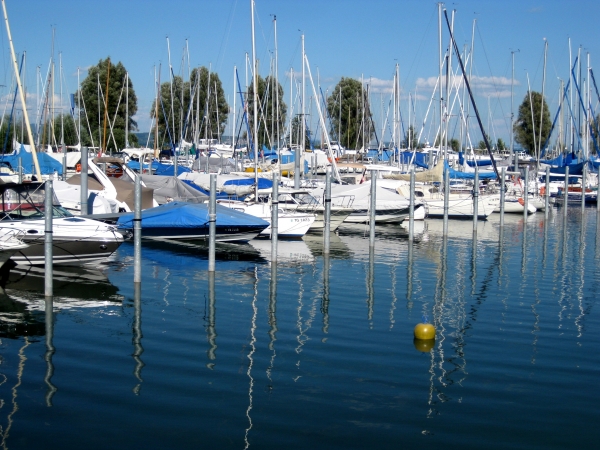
x=315, y=351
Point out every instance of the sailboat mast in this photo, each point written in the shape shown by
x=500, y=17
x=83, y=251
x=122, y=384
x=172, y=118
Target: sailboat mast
x=300, y=151
x=62, y=124
x=277, y=91
x=539, y=152
x=22, y=96
x=127, y=110
x=255, y=106
x=233, y=128
x=440, y=63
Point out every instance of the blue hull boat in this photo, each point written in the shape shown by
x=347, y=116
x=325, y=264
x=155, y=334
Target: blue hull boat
x=189, y=221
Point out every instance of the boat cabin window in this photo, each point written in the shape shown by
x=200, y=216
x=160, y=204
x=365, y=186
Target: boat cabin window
x=21, y=203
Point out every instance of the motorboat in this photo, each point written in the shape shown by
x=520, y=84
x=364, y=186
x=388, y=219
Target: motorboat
x=75, y=240
x=10, y=243
x=301, y=200
x=290, y=224
x=390, y=206
x=190, y=221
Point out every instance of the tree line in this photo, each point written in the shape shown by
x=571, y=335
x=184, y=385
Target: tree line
x=188, y=110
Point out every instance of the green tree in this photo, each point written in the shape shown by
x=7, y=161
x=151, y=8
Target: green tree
x=117, y=110
x=295, y=136
x=6, y=135
x=345, y=106
x=268, y=116
x=411, y=139
x=500, y=145
x=525, y=127
x=455, y=144
x=200, y=101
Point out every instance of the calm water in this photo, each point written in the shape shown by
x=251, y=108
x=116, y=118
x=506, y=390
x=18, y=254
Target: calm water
x=316, y=352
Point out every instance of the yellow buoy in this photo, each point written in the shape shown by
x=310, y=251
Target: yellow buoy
x=424, y=331
x=424, y=345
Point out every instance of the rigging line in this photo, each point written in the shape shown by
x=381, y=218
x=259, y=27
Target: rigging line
x=492, y=78
x=226, y=34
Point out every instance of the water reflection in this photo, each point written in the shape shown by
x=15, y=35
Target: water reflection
x=14, y=393
x=370, y=288
x=251, y=357
x=409, y=276
x=211, y=333
x=49, y=304
x=272, y=322
x=83, y=282
x=337, y=248
x=137, y=336
x=325, y=301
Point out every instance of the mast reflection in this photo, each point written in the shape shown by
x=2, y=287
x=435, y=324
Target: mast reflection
x=251, y=357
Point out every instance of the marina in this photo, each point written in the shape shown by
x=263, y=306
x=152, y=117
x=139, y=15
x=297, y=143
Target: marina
x=316, y=347
x=286, y=264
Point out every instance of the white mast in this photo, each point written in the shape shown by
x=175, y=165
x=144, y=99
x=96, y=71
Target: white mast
x=22, y=96
x=539, y=152
x=300, y=151
x=255, y=106
x=233, y=134
x=127, y=110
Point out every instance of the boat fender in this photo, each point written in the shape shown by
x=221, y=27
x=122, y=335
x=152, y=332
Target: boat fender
x=78, y=167
x=543, y=190
x=521, y=201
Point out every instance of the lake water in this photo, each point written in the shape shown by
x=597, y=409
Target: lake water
x=316, y=351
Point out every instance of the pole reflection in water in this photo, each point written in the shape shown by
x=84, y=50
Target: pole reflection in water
x=325, y=302
x=272, y=321
x=409, y=275
x=49, y=305
x=303, y=327
x=370, y=287
x=137, y=336
x=393, y=292
x=474, y=263
x=251, y=356
x=211, y=333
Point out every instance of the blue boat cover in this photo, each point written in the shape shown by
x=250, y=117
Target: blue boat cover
x=189, y=215
x=159, y=168
x=420, y=159
x=263, y=183
x=47, y=163
x=471, y=163
x=574, y=169
x=455, y=174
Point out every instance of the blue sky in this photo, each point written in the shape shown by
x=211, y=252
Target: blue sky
x=349, y=38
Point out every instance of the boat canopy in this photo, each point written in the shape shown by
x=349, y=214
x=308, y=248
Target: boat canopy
x=189, y=215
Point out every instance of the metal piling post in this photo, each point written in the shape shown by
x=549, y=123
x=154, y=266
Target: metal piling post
x=274, y=217
x=212, y=222
x=373, y=208
x=137, y=230
x=48, y=210
x=327, y=212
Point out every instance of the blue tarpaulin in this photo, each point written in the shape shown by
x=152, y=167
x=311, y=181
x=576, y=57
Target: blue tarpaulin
x=47, y=163
x=455, y=174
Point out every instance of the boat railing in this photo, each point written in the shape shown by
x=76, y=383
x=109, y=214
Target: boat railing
x=10, y=235
x=345, y=201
